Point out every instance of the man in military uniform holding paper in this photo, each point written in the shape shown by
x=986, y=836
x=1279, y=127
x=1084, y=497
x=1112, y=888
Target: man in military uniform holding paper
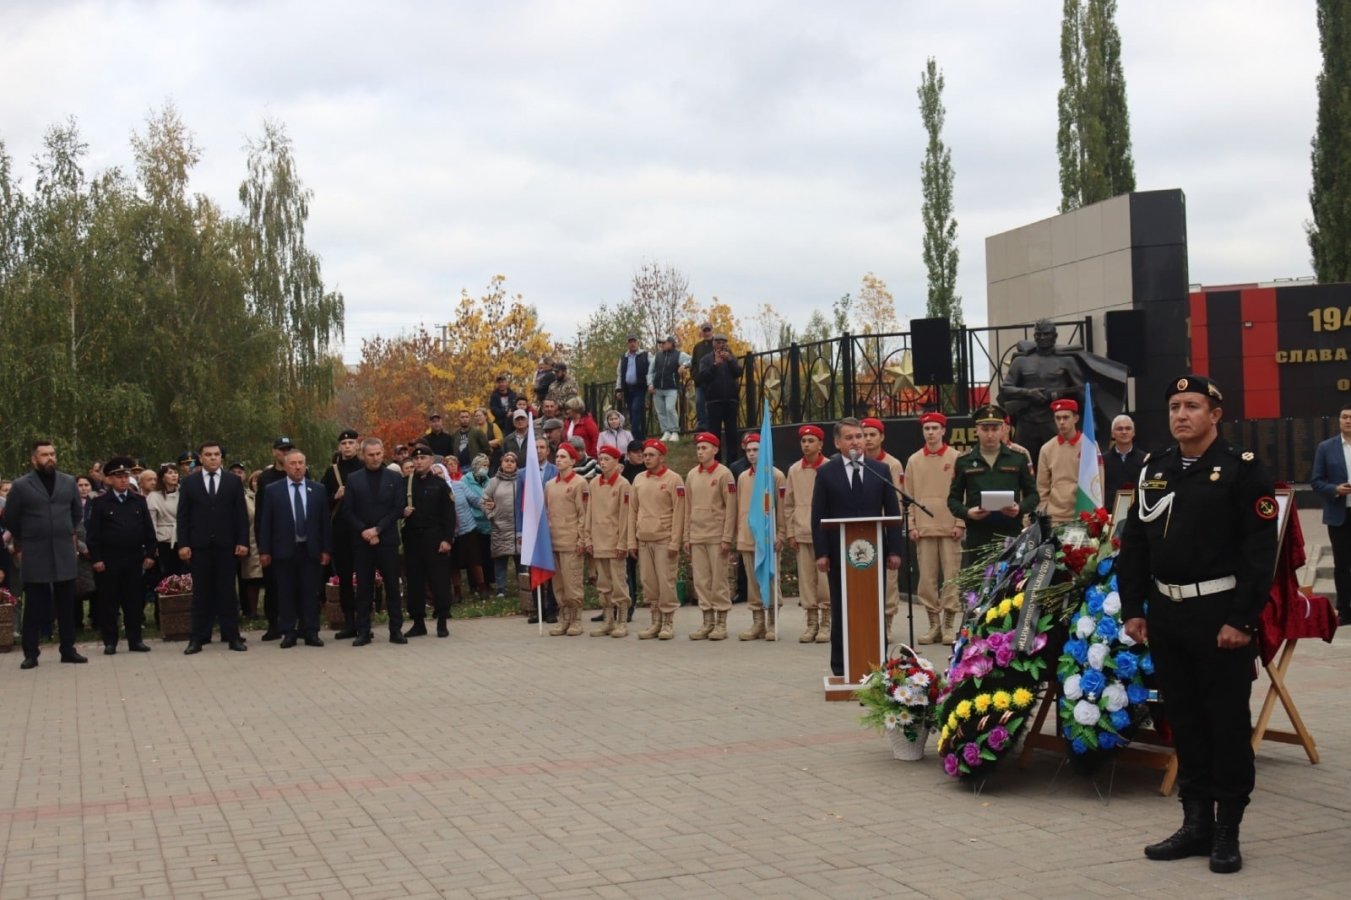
x=988, y=467
x=1198, y=551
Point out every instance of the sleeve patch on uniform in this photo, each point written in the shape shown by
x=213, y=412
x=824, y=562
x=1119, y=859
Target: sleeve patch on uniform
x=680, y=490
x=731, y=487
x=781, y=493
x=1266, y=507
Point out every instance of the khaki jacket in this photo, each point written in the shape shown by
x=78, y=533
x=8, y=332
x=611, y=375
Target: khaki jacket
x=710, y=505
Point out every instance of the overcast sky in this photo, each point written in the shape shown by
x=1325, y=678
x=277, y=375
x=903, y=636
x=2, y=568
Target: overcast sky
x=769, y=150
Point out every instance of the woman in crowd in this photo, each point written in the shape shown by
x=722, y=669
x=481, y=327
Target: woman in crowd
x=499, y=502
x=615, y=434
x=163, y=503
x=483, y=421
x=464, y=554
x=475, y=482
x=250, y=568
x=84, y=571
x=577, y=422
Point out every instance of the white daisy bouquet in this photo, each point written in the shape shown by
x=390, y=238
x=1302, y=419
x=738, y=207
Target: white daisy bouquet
x=902, y=693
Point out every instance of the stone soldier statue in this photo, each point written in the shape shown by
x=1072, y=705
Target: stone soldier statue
x=1034, y=380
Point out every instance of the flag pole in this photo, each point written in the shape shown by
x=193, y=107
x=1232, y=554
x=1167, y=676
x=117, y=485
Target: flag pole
x=539, y=608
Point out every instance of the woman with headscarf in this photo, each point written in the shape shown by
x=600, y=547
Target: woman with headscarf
x=464, y=553
x=499, y=502
x=615, y=434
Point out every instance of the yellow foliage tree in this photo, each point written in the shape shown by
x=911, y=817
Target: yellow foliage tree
x=875, y=310
x=717, y=314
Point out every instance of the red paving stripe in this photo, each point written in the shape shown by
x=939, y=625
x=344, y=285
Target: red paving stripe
x=378, y=782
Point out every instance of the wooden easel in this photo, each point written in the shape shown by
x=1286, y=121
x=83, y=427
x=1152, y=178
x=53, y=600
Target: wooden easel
x=1277, y=690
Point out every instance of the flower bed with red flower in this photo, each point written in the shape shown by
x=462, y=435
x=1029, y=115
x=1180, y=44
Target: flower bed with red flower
x=174, y=584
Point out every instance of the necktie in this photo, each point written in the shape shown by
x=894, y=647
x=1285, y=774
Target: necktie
x=121, y=498
x=299, y=511
x=856, y=479
x=211, y=483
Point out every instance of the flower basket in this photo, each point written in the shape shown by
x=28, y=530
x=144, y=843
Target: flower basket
x=7, y=609
x=904, y=748
x=174, y=597
x=333, y=614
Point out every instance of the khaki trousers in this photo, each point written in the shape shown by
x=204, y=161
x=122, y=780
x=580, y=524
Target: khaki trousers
x=753, y=597
x=709, y=566
x=657, y=569
x=938, y=556
x=612, y=581
x=568, y=578
x=808, y=579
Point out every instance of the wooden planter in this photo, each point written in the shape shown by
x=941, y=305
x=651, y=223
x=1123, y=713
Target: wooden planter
x=175, y=617
x=7, y=627
x=333, y=617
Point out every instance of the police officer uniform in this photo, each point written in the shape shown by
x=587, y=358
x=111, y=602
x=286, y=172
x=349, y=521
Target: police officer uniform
x=343, y=563
x=710, y=528
x=1008, y=471
x=121, y=537
x=431, y=524
x=1198, y=553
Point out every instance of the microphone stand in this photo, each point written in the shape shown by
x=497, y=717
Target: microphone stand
x=907, y=554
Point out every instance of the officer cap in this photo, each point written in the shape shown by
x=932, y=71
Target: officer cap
x=237, y=465
x=188, y=456
x=1194, y=384
x=282, y=443
x=989, y=414
x=119, y=465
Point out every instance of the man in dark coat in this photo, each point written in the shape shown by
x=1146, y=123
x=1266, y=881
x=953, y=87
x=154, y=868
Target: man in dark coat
x=347, y=463
x=719, y=374
x=631, y=385
x=213, y=533
x=373, y=506
x=502, y=403
x=428, y=533
x=295, y=538
x=44, y=517
x=848, y=486
x=121, y=541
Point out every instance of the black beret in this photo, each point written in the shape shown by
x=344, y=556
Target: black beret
x=1194, y=384
x=422, y=450
x=348, y=434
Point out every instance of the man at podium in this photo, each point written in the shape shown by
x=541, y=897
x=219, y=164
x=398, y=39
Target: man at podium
x=850, y=486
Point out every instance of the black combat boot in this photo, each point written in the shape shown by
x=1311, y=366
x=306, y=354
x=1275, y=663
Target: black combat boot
x=1224, y=855
x=1193, y=838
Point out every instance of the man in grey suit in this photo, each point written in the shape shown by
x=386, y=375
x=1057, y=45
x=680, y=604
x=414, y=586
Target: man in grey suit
x=44, y=515
x=1331, y=465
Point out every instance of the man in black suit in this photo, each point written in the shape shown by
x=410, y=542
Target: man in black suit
x=373, y=506
x=295, y=539
x=428, y=533
x=850, y=485
x=122, y=548
x=213, y=531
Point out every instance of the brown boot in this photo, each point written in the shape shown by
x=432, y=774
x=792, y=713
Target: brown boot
x=770, y=616
x=813, y=628
x=706, y=629
x=823, y=633
x=561, y=628
x=607, y=624
x=935, y=632
x=621, y=625
x=949, y=626
x=667, y=627
x=652, y=630
x=575, y=621
x=719, y=632
x=757, y=625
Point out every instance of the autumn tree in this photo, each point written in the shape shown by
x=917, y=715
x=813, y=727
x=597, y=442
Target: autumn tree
x=768, y=328
x=717, y=314
x=600, y=341
x=1329, y=232
x=397, y=384
x=940, y=226
x=876, y=309
x=1094, y=136
x=659, y=293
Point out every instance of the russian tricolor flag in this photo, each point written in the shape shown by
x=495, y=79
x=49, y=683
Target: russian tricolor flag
x=537, y=549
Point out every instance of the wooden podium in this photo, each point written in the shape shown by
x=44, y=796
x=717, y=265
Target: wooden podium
x=863, y=564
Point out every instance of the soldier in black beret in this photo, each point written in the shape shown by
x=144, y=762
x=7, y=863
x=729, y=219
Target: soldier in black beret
x=344, y=464
x=428, y=535
x=121, y=541
x=1198, y=551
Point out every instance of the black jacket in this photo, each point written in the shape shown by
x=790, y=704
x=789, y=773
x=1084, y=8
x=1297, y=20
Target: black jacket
x=720, y=380
x=502, y=406
x=832, y=498
x=1119, y=474
x=335, y=476
x=433, y=508
x=205, y=521
x=381, y=508
x=120, y=529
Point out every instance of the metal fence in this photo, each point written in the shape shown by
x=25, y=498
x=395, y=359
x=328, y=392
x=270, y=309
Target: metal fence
x=866, y=374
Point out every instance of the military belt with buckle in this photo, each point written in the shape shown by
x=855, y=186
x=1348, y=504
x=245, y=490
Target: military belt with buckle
x=1179, y=592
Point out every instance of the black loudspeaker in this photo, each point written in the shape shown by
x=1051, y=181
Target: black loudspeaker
x=931, y=350
x=1126, y=339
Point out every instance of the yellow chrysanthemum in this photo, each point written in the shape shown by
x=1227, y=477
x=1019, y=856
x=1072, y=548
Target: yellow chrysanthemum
x=952, y=722
x=1022, y=698
x=991, y=614
x=1005, y=607
x=1002, y=699
x=943, y=735
x=1018, y=602
x=964, y=709
x=982, y=703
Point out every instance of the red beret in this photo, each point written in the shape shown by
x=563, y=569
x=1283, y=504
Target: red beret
x=655, y=444
x=1058, y=405
x=571, y=451
x=751, y=438
x=612, y=452
x=873, y=423
x=705, y=437
x=805, y=430
x=934, y=417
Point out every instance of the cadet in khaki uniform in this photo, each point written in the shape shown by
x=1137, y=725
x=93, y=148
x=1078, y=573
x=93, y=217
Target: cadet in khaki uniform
x=1058, y=464
x=710, y=528
x=607, y=533
x=937, y=538
x=658, y=530
x=873, y=432
x=567, y=528
x=762, y=617
x=797, y=512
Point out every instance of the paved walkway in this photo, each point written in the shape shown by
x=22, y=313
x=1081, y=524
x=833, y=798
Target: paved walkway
x=501, y=764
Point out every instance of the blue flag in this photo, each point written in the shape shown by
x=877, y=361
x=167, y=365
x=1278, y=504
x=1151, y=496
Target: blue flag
x=762, y=518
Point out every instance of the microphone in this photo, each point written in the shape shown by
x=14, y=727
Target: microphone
x=856, y=456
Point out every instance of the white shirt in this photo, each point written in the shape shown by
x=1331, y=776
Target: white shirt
x=1346, y=455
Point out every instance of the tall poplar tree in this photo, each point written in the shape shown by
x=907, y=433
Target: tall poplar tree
x=1330, y=198
x=1094, y=137
x=940, y=227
